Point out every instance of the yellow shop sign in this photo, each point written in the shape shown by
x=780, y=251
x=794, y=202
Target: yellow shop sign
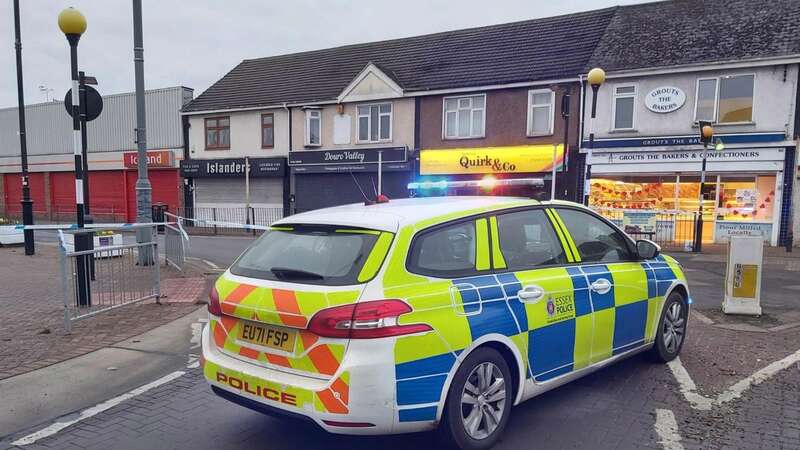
x=514, y=159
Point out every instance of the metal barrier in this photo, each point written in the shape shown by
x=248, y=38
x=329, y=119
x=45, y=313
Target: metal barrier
x=176, y=242
x=114, y=279
x=212, y=220
x=673, y=228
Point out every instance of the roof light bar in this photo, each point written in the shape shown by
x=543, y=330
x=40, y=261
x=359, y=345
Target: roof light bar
x=444, y=184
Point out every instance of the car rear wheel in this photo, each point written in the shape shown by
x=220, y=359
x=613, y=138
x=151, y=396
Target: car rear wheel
x=671, y=332
x=479, y=401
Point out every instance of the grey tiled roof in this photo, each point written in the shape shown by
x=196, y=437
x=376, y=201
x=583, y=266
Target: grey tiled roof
x=539, y=49
x=684, y=32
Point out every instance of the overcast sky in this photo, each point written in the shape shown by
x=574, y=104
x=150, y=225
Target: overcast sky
x=195, y=42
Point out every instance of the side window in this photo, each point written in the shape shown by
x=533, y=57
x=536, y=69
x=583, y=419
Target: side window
x=527, y=240
x=445, y=252
x=596, y=240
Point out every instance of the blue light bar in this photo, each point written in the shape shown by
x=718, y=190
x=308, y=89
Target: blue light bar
x=485, y=183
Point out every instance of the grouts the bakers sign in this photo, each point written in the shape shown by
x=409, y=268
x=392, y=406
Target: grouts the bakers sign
x=513, y=159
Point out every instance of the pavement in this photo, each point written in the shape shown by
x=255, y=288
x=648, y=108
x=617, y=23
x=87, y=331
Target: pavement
x=733, y=387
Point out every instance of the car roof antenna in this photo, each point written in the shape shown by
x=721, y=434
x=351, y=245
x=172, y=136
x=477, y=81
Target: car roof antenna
x=366, y=199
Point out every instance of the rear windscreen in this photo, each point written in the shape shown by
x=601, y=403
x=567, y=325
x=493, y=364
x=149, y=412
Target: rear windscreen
x=310, y=255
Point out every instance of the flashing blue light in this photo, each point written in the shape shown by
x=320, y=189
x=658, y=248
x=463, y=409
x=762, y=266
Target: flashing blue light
x=441, y=184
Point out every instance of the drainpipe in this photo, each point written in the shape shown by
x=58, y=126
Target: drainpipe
x=579, y=187
x=288, y=185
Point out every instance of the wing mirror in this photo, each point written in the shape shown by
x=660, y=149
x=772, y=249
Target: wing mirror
x=647, y=249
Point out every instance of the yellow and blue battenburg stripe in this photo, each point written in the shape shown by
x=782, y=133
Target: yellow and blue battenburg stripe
x=571, y=328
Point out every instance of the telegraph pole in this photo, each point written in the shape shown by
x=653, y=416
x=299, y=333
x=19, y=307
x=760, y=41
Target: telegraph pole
x=144, y=211
x=27, y=203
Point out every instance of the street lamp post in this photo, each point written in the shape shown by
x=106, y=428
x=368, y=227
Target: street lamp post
x=73, y=25
x=706, y=133
x=595, y=77
x=144, y=212
x=27, y=203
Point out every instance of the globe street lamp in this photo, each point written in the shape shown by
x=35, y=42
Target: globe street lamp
x=595, y=77
x=706, y=134
x=73, y=24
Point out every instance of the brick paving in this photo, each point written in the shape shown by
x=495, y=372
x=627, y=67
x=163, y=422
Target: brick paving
x=32, y=334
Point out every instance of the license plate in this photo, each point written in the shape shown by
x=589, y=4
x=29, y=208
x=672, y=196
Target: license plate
x=267, y=336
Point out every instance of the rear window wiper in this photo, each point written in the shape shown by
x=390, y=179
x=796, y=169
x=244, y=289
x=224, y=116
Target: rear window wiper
x=287, y=273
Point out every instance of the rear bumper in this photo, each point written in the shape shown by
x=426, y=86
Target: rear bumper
x=358, y=399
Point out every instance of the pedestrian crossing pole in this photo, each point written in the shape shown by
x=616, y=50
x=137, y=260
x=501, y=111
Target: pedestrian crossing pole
x=73, y=24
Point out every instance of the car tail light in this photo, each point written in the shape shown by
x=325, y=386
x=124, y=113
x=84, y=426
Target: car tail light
x=365, y=320
x=214, y=308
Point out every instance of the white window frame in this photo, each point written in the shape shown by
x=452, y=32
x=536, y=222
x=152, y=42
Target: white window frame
x=718, y=80
x=551, y=119
x=369, y=119
x=634, y=96
x=308, y=113
x=444, y=117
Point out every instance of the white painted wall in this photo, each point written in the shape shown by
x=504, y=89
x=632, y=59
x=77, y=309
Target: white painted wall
x=773, y=105
x=245, y=135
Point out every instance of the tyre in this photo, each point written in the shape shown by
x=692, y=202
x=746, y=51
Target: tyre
x=478, y=403
x=671, y=332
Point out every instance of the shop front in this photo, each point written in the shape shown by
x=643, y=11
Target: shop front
x=488, y=164
x=323, y=178
x=742, y=193
x=222, y=187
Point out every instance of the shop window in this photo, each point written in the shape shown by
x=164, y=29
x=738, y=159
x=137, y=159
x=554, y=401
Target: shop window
x=375, y=123
x=527, y=240
x=313, y=127
x=727, y=99
x=464, y=117
x=268, y=130
x=624, y=101
x=652, y=193
x=218, y=133
x=540, y=112
x=746, y=199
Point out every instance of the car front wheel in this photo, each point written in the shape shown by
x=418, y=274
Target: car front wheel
x=671, y=332
x=479, y=401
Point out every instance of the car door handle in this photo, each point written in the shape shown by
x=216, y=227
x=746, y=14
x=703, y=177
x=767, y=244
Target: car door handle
x=531, y=294
x=601, y=286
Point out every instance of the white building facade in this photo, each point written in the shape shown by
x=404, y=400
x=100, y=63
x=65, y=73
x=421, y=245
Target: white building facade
x=647, y=153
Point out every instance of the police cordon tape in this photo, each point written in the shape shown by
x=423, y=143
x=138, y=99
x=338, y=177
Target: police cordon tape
x=73, y=226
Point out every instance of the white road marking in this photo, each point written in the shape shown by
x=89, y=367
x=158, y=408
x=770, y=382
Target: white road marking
x=211, y=264
x=757, y=378
x=687, y=386
x=703, y=403
x=667, y=429
x=97, y=409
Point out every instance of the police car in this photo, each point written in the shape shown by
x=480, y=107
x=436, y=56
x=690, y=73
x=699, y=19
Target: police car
x=441, y=312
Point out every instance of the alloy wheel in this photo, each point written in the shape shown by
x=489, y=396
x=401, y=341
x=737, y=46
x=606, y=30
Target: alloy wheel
x=674, y=327
x=483, y=400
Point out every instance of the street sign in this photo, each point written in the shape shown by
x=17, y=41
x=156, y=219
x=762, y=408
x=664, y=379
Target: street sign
x=94, y=103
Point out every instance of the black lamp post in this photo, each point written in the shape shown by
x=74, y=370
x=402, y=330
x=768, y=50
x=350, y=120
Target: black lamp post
x=595, y=77
x=73, y=25
x=27, y=203
x=706, y=134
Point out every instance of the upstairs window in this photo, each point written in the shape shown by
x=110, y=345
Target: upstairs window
x=727, y=99
x=624, y=101
x=313, y=127
x=268, y=130
x=540, y=112
x=464, y=117
x=375, y=123
x=218, y=133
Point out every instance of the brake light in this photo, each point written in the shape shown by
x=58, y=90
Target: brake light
x=365, y=320
x=214, y=308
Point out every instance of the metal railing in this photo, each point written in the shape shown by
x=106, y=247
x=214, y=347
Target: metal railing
x=176, y=242
x=673, y=228
x=260, y=216
x=113, y=278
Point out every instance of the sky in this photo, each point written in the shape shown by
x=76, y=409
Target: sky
x=193, y=43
